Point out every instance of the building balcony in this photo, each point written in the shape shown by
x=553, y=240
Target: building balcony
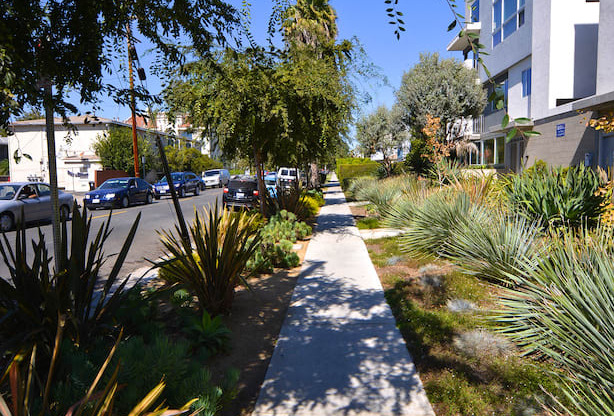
x=461, y=42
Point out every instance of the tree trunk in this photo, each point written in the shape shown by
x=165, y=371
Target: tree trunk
x=260, y=179
x=314, y=178
x=53, y=175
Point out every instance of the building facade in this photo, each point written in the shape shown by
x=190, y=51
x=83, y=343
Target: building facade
x=75, y=158
x=553, y=60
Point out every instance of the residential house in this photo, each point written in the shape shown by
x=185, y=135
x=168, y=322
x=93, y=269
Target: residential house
x=553, y=59
x=75, y=157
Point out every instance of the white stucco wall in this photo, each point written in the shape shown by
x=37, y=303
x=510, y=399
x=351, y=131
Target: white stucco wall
x=605, y=59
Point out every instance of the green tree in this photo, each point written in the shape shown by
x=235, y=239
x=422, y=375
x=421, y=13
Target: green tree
x=442, y=88
x=381, y=132
x=115, y=150
x=189, y=159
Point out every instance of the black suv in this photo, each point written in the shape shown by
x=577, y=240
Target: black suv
x=241, y=192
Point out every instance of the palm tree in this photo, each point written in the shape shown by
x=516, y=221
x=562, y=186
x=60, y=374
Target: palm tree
x=310, y=23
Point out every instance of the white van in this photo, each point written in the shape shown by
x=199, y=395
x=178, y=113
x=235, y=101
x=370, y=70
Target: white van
x=289, y=178
x=216, y=178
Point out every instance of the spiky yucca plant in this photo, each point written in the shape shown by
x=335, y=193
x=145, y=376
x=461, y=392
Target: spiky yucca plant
x=432, y=223
x=564, y=310
x=498, y=250
x=213, y=267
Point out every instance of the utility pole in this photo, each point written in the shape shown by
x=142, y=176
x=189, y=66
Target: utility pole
x=135, y=146
x=53, y=172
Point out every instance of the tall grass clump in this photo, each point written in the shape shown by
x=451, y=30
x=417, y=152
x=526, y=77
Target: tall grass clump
x=558, y=197
x=564, y=310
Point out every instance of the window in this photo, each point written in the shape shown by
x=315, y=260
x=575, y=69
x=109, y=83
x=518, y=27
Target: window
x=475, y=11
x=44, y=190
x=508, y=16
x=499, y=150
x=489, y=152
x=502, y=85
x=526, y=82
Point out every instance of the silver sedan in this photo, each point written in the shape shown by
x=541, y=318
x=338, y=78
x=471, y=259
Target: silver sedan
x=33, y=199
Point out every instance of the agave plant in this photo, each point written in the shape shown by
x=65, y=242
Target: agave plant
x=214, y=266
x=33, y=297
x=564, y=310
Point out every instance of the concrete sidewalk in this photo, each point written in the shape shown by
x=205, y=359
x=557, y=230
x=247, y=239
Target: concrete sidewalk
x=339, y=351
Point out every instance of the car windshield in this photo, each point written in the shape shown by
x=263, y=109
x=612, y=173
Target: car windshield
x=288, y=172
x=212, y=173
x=8, y=191
x=242, y=184
x=269, y=181
x=176, y=177
x=115, y=183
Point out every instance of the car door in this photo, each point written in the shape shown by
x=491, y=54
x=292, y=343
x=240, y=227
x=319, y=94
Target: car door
x=44, y=196
x=191, y=182
x=143, y=189
x=29, y=203
x=133, y=191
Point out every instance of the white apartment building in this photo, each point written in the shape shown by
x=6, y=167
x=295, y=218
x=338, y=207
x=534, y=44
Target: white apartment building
x=75, y=158
x=187, y=134
x=555, y=61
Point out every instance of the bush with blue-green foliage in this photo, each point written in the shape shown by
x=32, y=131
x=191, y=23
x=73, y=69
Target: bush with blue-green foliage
x=277, y=239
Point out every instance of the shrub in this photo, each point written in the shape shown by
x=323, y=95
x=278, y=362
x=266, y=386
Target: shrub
x=209, y=332
x=277, y=238
x=558, y=197
x=348, y=169
x=293, y=200
x=223, y=245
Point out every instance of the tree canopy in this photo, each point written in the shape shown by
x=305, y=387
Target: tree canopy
x=71, y=44
x=190, y=160
x=114, y=148
x=381, y=132
x=442, y=88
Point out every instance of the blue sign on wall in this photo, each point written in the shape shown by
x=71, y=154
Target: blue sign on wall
x=560, y=130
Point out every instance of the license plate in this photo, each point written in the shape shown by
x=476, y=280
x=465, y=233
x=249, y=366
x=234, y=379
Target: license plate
x=239, y=195
x=95, y=201
x=161, y=191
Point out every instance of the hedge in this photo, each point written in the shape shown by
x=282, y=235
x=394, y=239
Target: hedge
x=348, y=169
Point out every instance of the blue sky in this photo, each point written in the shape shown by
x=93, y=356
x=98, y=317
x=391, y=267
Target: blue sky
x=426, y=24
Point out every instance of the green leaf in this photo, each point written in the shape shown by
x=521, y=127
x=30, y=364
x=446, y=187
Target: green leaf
x=452, y=25
x=522, y=120
x=511, y=134
x=505, y=121
x=500, y=104
x=532, y=133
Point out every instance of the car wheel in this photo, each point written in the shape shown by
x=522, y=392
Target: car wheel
x=125, y=202
x=149, y=199
x=197, y=191
x=64, y=213
x=181, y=193
x=7, y=222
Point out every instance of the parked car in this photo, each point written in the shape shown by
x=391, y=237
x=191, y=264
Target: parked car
x=216, y=178
x=185, y=183
x=270, y=181
x=119, y=192
x=241, y=192
x=289, y=178
x=31, y=198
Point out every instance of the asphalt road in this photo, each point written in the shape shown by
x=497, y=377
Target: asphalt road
x=157, y=216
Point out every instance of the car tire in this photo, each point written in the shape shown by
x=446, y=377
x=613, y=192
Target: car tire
x=64, y=213
x=196, y=190
x=125, y=202
x=7, y=222
x=181, y=192
x=149, y=198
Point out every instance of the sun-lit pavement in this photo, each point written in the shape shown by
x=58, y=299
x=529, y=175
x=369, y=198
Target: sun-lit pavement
x=339, y=351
